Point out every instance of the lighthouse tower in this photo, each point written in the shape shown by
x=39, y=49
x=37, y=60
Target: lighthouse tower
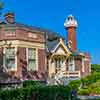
x=70, y=25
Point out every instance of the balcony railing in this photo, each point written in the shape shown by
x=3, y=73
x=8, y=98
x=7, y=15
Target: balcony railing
x=72, y=73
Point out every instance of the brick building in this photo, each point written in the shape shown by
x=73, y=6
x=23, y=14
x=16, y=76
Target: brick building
x=64, y=60
x=22, y=49
x=33, y=53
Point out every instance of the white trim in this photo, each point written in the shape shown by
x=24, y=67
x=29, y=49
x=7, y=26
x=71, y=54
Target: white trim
x=86, y=59
x=83, y=67
x=36, y=58
x=27, y=56
x=60, y=43
x=89, y=67
x=16, y=57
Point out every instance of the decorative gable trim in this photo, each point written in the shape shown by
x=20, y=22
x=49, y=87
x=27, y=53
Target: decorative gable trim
x=61, y=43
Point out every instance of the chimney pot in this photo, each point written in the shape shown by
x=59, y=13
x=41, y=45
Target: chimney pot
x=9, y=17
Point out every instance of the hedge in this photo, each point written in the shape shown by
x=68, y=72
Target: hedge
x=36, y=93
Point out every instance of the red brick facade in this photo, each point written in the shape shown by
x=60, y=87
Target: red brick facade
x=41, y=60
x=21, y=60
x=71, y=36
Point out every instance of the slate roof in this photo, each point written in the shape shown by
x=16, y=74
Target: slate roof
x=20, y=25
x=51, y=37
x=51, y=44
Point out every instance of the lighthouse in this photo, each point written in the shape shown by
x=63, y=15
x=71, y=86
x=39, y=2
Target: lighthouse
x=70, y=25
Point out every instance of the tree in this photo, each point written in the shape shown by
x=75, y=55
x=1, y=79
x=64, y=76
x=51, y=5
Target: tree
x=1, y=7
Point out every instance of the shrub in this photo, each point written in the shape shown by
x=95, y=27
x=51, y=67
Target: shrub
x=95, y=68
x=75, y=84
x=28, y=83
x=90, y=79
x=95, y=85
x=37, y=92
x=96, y=90
x=84, y=91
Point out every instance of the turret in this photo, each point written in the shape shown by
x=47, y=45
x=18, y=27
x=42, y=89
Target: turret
x=70, y=25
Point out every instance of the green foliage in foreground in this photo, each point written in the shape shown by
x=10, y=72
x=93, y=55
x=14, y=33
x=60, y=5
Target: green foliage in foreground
x=75, y=84
x=89, y=84
x=36, y=92
x=95, y=68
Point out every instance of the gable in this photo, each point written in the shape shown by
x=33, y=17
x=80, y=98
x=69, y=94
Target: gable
x=60, y=50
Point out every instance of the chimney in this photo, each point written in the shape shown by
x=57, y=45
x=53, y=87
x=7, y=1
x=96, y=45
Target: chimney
x=70, y=26
x=9, y=17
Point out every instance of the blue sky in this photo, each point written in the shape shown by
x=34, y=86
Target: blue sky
x=51, y=14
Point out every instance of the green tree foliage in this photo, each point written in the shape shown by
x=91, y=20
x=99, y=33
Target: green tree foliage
x=74, y=84
x=94, y=77
x=95, y=68
x=89, y=84
x=1, y=7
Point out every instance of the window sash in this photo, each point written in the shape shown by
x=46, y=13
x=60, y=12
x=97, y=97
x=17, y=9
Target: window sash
x=31, y=59
x=31, y=53
x=9, y=58
x=71, y=66
x=10, y=63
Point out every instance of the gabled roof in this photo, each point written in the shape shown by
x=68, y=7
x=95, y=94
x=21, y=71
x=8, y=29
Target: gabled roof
x=60, y=43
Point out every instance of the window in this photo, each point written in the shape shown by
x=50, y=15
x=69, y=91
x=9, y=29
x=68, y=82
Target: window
x=31, y=59
x=58, y=63
x=71, y=66
x=9, y=58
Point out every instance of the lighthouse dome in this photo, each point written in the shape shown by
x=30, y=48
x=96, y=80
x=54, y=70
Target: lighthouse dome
x=70, y=22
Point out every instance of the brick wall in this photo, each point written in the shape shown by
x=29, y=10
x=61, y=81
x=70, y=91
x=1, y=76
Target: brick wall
x=1, y=56
x=21, y=60
x=41, y=60
x=71, y=36
x=78, y=64
x=21, y=34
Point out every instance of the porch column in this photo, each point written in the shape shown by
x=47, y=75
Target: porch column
x=51, y=67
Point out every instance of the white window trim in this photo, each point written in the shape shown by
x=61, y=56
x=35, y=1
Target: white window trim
x=83, y=67
x=12, y=69
x=35, y=58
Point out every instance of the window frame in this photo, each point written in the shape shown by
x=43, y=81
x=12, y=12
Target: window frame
x=15, y=59
x=27, y=57
x=71, y=64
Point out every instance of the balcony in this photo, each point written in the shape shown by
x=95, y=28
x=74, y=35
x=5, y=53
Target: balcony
x=72, y=73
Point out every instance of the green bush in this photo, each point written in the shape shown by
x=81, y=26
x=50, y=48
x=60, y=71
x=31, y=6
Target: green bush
x=37, y=92
x=75, y=84
x=95, y=90
x=28, y=83
x=95, y=68
x=84, y=91
x=95, y=85
x=90, y=79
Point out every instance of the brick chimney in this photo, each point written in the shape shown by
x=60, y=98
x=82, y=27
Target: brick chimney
x=70, y=26
x=9, y=17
